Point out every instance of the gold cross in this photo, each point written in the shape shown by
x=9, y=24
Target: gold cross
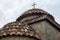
x=33, y=5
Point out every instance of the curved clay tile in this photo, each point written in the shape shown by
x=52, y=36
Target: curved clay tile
x=21, y=30
x=32, y=14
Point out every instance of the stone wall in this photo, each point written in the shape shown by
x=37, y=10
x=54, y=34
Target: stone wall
x=16, y=38
x=46, y=31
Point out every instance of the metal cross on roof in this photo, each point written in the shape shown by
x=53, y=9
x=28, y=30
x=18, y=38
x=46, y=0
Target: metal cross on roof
x=33, y=5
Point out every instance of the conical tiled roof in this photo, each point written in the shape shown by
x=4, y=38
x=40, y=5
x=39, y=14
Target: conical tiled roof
x=16, y=28
x=34, y=10
x=34, y=13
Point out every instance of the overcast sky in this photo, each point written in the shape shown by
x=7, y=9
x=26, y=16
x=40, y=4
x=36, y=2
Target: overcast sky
x=10, y=10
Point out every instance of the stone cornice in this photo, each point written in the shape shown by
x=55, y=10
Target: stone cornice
x=56, y=25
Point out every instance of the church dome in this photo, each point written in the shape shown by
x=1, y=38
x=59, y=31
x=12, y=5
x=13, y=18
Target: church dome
x=34, y=13
x=17, y=28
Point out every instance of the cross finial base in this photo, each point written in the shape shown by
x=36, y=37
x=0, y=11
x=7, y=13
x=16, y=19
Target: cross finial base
x=33, y=5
